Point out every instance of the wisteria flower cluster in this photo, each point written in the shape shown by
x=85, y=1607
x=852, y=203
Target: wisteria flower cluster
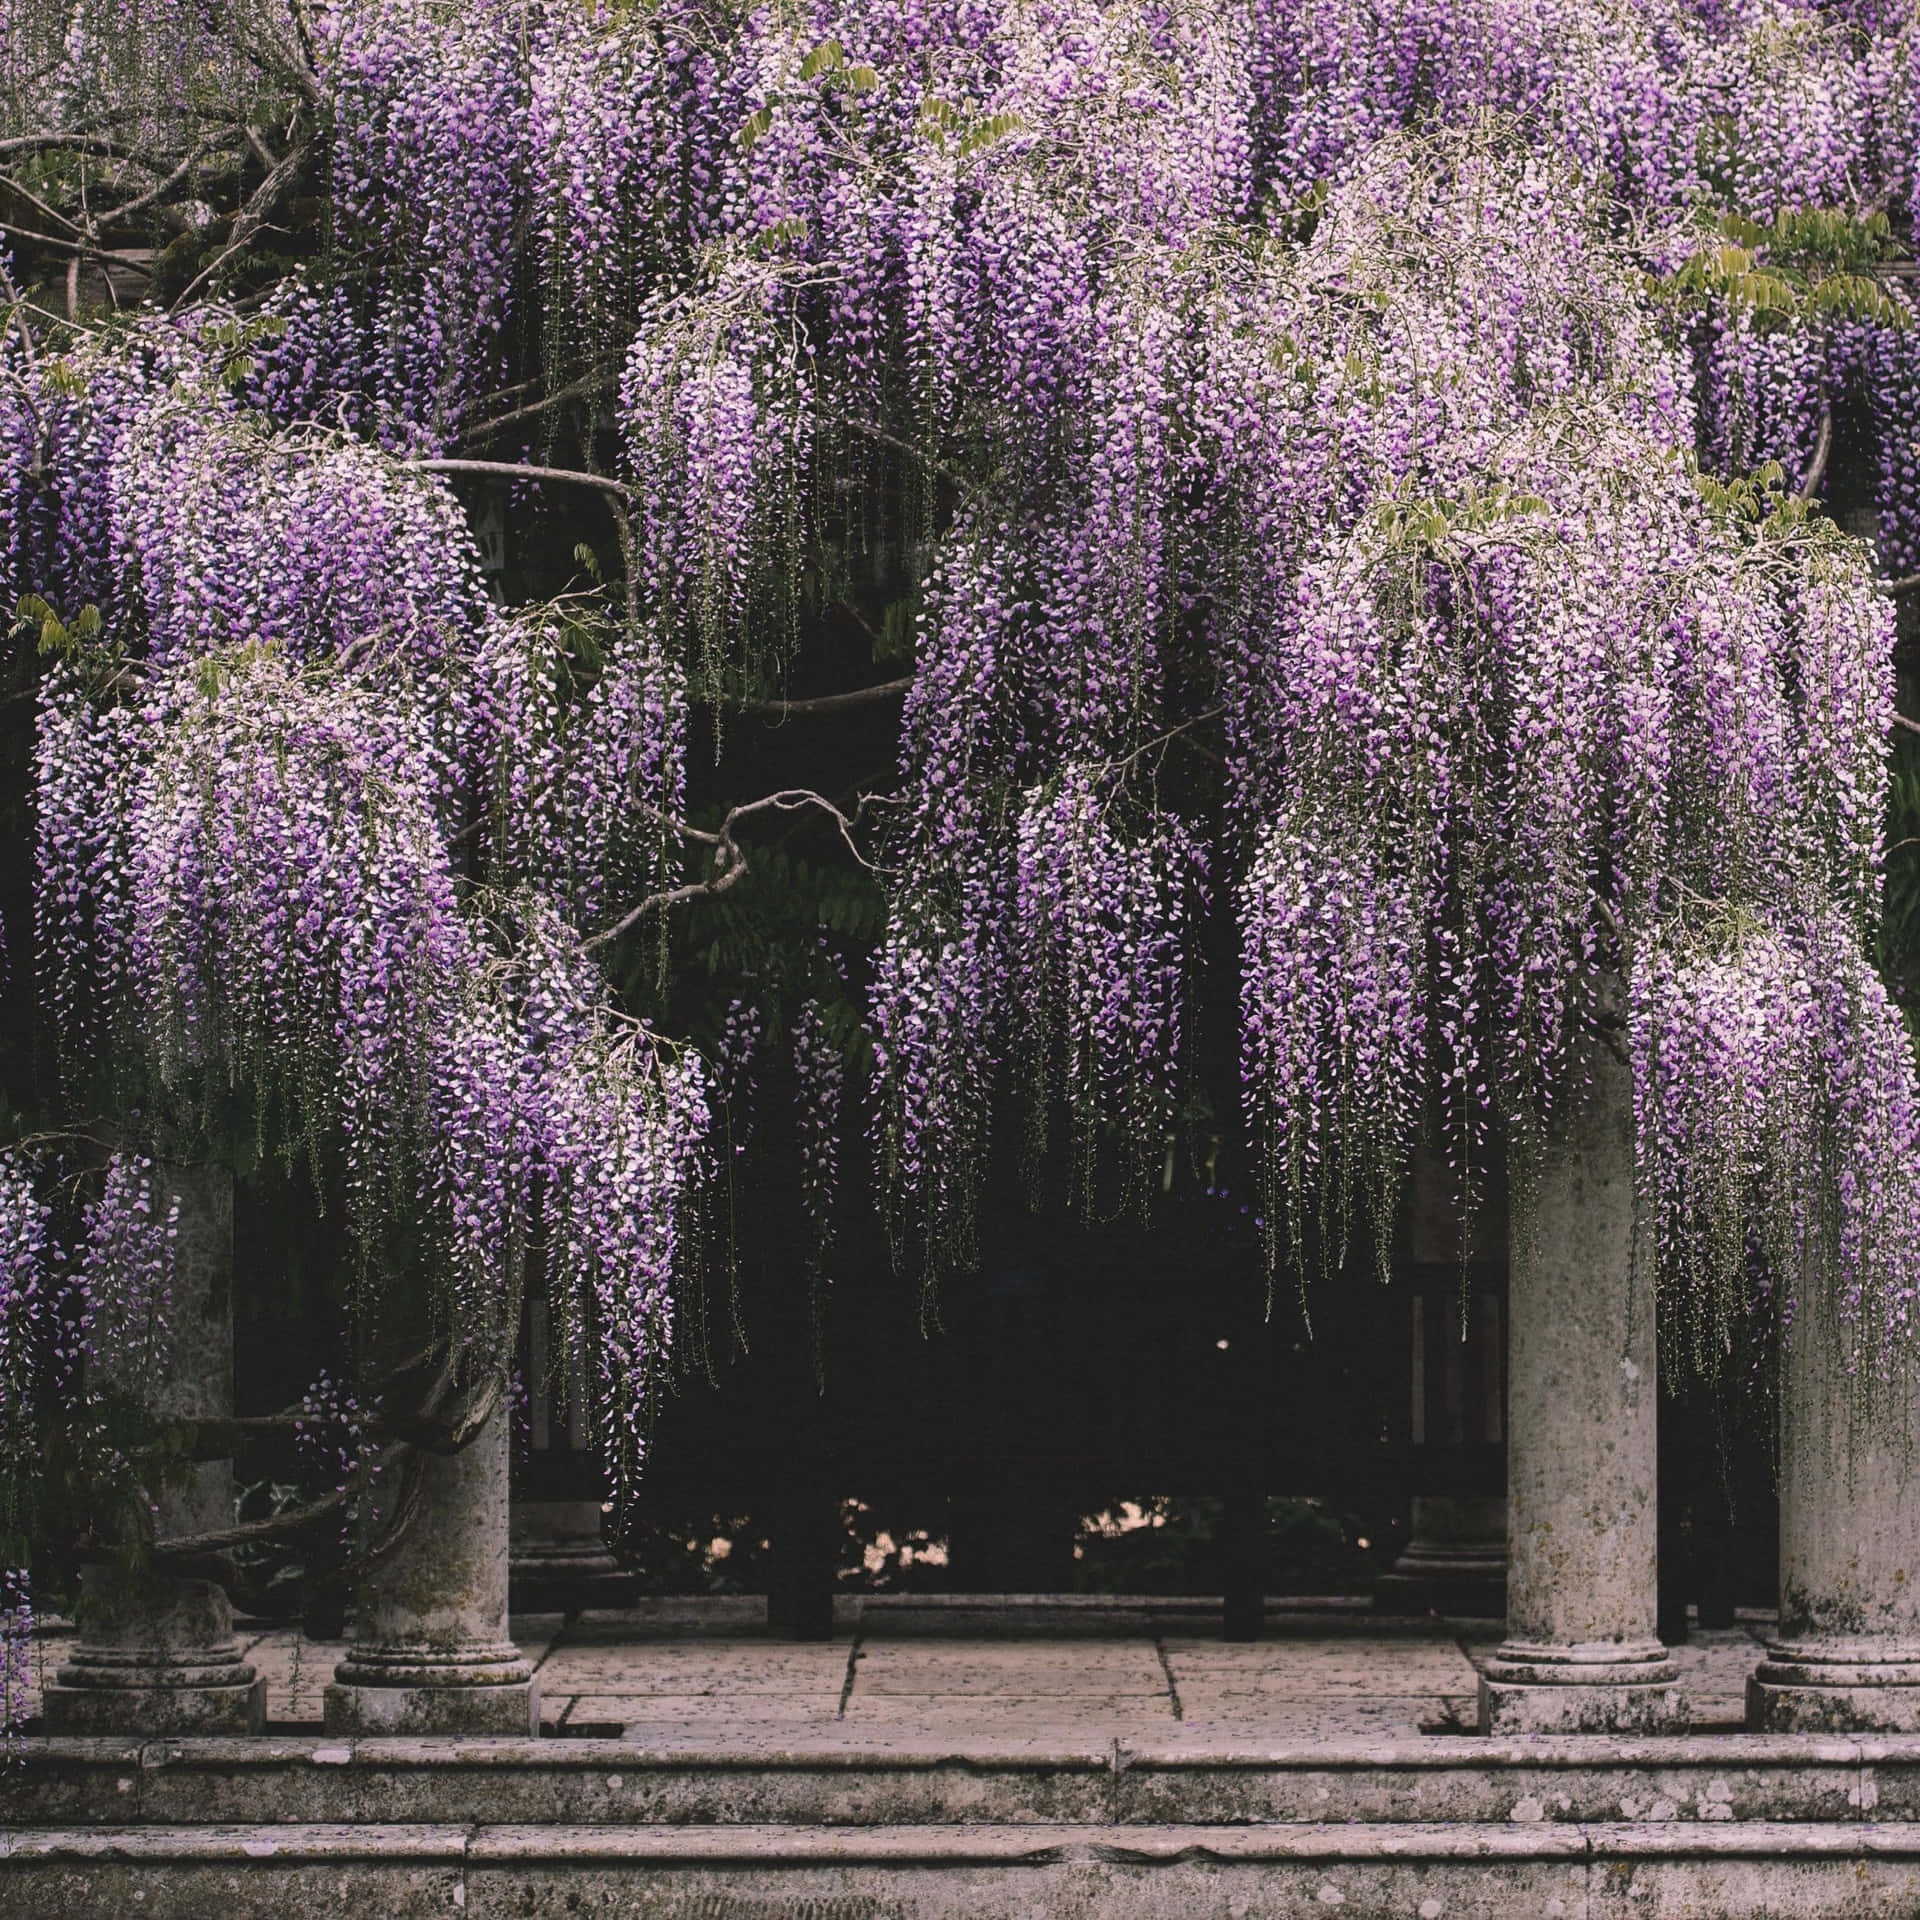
x=16, y=1648
x=1305, y=447
x=127, y=1275
x=430, y=113
x=292, y=923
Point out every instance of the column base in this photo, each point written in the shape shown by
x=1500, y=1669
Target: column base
x=1455, y=1560
x=1603, y=1689
x=482, y=1690
x=557, y=1561
x=1836, y=1687
x=156, y=1655
x=128, y=1707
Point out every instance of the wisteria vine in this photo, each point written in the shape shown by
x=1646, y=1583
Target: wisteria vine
x=1349, y=479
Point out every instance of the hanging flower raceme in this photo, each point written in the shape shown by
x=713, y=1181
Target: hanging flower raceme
x=26, y=1254
x=138, y=69
x=819, y=1074
x=292, y=924
x=1101, y=942
x=622, y=1122
x=631, y=127
x=1777, y=1125
x=63, y=426
x=127, y=1265
x=288, y=918
x=575, y=728
x=429, y=164
x=715, y=405
x=233, y=534
x=1335, y=983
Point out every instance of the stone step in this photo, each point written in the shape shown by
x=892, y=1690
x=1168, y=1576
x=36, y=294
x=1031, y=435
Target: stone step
x=1670, y=1870
x=857, y=1780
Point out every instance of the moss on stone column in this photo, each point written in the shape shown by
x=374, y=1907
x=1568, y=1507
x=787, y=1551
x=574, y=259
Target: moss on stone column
x=429, y=1649
x=1846, y=1657
x=157, y=1652
x=1581, y=1654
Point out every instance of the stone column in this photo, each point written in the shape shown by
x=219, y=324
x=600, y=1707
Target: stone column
x=559, y=1559
x=157, y=1652
x=1455, y=1561
x=428, y=1649
x=1581, y=1654
x=1846, y=1657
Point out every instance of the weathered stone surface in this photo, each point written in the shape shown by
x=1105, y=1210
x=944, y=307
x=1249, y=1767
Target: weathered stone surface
x=842, y=1779
x=976, y=1872
x=1847, y=1653
x=730, y=1669
x=1522, y=1783
x=1455, y=1559
x=158, y=1652
x=429, y=1649
x=237, y=1873
x=1097, y=1669
x=1889, y=1779
x=1581, y=1653
x=1321, y=1668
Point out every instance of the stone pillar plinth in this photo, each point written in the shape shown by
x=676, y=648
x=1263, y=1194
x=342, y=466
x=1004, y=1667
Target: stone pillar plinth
x=1455, y=1560
x=157, y=1652
x=1846, y=1657
x=1581, y=1654
x=559, y=1559
x=428, y=1649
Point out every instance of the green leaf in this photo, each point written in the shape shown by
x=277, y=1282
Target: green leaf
x=827, y=57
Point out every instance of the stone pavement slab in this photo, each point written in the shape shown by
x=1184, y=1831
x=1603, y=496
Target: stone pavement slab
x=1320, y=1669
x=733, y=1668
x=682, y=1670
x=964, y=1722
x=1011, y=1669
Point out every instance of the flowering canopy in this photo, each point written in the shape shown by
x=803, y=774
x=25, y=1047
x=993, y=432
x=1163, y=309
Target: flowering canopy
x=1344, y=475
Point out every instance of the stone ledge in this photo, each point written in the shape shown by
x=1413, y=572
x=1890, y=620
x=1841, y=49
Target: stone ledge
x=980, y=1845
x=860, y=1783
x=1785, y=1871
x=780, y=1748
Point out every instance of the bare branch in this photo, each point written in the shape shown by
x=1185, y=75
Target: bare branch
x=78, y=250
x=579, y=390
x=278, y=1525
x=1907, y=583
x=506, y=469
x=729, y=865
x=1822, y=450
x=1162, y=739
x=154, y=192
x=830, y=702
x=78, y=143
x=253, y=217
x=729, y=869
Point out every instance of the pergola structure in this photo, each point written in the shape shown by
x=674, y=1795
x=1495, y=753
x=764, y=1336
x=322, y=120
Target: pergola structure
x=430, y=1650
